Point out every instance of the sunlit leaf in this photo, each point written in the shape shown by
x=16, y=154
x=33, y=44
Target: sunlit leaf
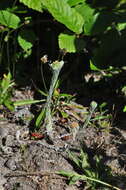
x=124, y=109
x=71, y=43
x=27, y=102
x=33, y=4
x=74, y=2
x=40, y=118
x=63, y=13
x=67, y=42
x=88, y=16
x=93, y=67
x=9, y=19
x=121, y=26
x=26, y=38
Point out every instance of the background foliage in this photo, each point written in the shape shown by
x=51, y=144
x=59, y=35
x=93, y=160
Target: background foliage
x=95, y=29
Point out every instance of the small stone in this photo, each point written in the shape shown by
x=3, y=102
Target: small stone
x=11, y=164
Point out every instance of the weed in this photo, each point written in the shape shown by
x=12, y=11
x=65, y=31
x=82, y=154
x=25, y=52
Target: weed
x=6, y=87
x=93, y=106
x=56, y=67
x=93, y=176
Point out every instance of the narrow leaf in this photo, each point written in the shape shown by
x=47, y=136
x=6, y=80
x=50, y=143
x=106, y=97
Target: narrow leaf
x=40, y=118
x=9, y=104
x=74, y=2
x=93, y=67
x=66, y=173
x=42, y=92
x=27, y=102
x=74, y=158
x=74, y=179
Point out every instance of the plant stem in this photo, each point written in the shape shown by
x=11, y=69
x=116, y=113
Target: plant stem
x=56, y=67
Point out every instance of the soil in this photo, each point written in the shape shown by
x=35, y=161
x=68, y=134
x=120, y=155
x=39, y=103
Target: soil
x=29, y=160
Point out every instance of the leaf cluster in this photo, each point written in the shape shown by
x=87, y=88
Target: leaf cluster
x=92, y=174
x=6, y=87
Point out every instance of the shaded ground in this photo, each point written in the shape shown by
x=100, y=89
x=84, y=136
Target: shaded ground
x=29, y=163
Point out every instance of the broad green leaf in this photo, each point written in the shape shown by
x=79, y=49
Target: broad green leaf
x=121, y=26
x=26, y=39
x=9, y=19
x=63, y=13
x=33, y=4
x=95, y=23
x=121, y=3
x=67, y=42
x=88, y=17
x=74, y=2
x=124, y=109
x=71, y=43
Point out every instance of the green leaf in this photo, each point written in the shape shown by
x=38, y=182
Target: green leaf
x=71, y=43
x=75, y=159
x=121, y=26
x=9, y=19
x=74, y=2
x=68, y=16
x=26, y=38
x=88, y=16
x=33, y=4
x=95, y=23
x=67, y=173
x=74, y=178
x=6, y=83
x=27, y=102
x=8, y=103
x=93, y=67
x=85, y=161
x=67, y=42
x=42, y=92
x=64, y=114
x=124, y=109
x=40, y=118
